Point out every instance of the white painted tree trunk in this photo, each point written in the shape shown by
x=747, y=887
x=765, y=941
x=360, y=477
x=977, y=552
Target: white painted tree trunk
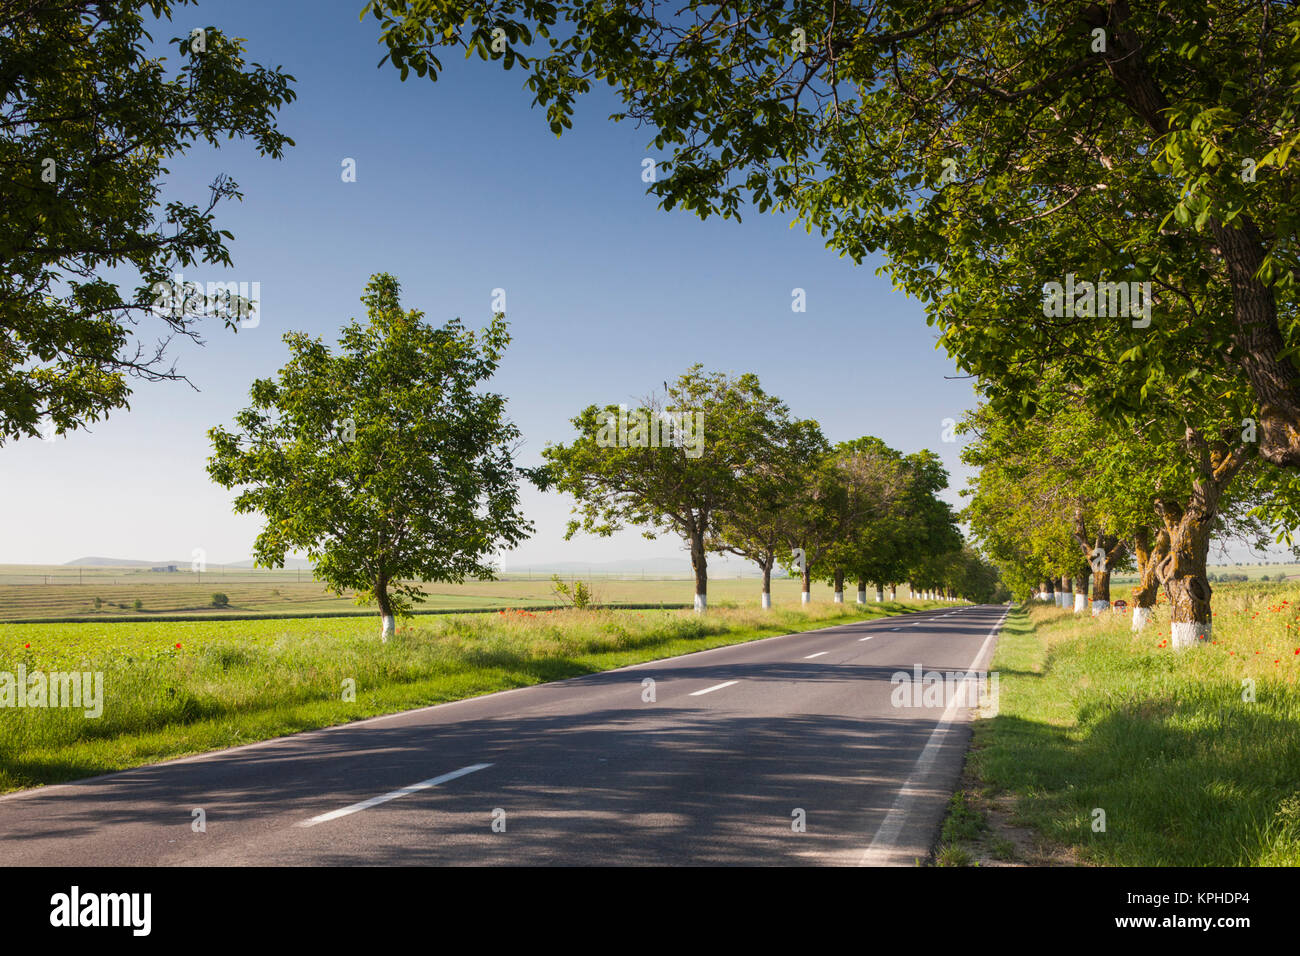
x=893, y=592
x=1099, y=606
x=1141, y=615
x=767, y=600
x=1187, y=633
x=804, y=597
x=839, y=597
x=1080, y=603
x=862, y=596
x=880, y=595
x=386, y=628
x=701, y=603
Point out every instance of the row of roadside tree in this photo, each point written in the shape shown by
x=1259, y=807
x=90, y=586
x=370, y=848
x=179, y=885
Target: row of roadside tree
x=389, y=463
x=771, y=488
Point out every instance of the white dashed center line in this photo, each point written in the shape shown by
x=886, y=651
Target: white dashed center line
x=818, y=654
x=393, y=795
x=710, y=690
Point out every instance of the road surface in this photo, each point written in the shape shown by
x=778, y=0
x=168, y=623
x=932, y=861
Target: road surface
x=789, y=750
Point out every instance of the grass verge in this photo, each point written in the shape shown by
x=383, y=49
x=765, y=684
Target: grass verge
x=178, y=688
x=1127, y=752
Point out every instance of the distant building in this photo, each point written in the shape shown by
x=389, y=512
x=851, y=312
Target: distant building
x=170, y=567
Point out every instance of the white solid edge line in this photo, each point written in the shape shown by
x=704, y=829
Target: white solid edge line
x=709, y=690
x=818, y=654
x=892, y=825
x=393, y=795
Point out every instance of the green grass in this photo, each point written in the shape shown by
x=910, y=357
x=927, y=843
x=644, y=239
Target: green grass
x=254, y=593
x=1092, y=717
x=176, y=688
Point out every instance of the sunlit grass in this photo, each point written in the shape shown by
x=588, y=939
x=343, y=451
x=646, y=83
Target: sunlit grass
x=1193, y=755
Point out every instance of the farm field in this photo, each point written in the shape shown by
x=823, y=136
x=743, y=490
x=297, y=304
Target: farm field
x=176, y=688
x=1255, y=572
x=1193, y=756
x=279, y=593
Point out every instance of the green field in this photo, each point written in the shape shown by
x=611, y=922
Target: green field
x=182, y=687
x=282, y=593
x=1253, y=571
x=1187, y=772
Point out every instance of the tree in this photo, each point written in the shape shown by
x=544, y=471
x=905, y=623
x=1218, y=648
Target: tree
x=383, y=462
x=1163, y=482
x=653, y=466
x=755, y=526
x=88, y=124
x=930, y=526
x=987, y=148
x=975, y=579
x=875, y=483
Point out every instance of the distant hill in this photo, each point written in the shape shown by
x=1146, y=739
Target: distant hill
x=113, y=563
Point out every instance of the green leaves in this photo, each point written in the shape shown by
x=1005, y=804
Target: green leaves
x=88, y=127
x=1123, y=165
x=384, y=461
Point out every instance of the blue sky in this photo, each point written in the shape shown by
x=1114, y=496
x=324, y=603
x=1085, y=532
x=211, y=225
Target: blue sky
x=461, y=188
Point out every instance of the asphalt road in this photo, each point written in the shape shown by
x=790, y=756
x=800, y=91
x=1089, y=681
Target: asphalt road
x=790, y=750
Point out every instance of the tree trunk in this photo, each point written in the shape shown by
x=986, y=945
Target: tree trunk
x=1148, y=561
x=1063, y=594
x=1183, y=571
x=767, y=579
x=1189, y=590
x=1100, y=592
x=1049, y=593
x=839, y=586
x=699, y=563
x=880, y=594
x=806, y=595
x=862, y=590
x=386, y=626
x=1102, y=552
x=1081, y=592
x=893, y=592
x=1258, y=344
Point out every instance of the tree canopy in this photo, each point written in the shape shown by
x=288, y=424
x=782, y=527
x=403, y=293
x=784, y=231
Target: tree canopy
x=988, y=148
x=89, y=123
x=385, y=461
